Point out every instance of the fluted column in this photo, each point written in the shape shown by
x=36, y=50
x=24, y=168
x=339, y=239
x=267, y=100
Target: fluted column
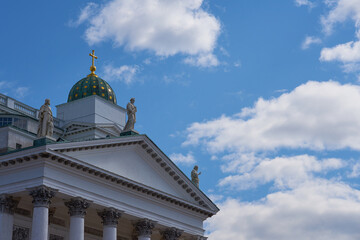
x=171, y=234
x=77, y=210
x=110, y=218
x=144, y=228
x=7, y=207
x=41, y=199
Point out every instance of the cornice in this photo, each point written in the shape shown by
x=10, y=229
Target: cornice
x=49, y=155
x=155, y=154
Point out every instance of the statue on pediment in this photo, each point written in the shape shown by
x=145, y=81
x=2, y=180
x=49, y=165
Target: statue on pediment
x=195, y=175
x=46, y=122
x=131, y=112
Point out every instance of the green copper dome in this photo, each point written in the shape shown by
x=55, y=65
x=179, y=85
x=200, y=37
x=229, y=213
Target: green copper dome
x=92, y=85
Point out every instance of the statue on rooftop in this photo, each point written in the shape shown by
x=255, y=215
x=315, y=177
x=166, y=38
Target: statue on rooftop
x=131, y=112
x=46, y=122
x=195, y=175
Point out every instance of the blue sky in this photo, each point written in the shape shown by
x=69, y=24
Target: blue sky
x=262, y=95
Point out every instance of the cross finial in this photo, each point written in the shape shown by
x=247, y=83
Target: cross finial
x=92, y=68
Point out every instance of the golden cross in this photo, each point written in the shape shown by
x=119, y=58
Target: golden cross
x=93, y=56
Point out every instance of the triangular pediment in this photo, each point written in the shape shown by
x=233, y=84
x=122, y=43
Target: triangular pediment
x=138, y=159
x=131, y=163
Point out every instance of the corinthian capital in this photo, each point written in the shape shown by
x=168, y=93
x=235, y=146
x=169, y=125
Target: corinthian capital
x=7, y=204
x=144, y=227
x=42, y=195
x=110, y=216
x=171, y=234
x=77, y=207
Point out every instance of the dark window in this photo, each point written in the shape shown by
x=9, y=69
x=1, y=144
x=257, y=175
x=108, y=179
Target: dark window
x=17, y=122
x=18, y=146
x=4, y=121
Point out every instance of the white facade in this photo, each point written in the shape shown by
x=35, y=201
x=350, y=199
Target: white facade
x=94, y=185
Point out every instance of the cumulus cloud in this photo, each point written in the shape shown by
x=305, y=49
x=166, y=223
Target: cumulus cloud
x=310, y=40
x=318, y=209
x=285, y=172
x=160, y=26
x=179, y=158
x=125, y=73
x=315, y=115
x=305, y=196
x=347, y=53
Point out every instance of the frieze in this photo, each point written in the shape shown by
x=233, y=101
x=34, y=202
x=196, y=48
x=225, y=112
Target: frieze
x=21, y=233
x=55, y=237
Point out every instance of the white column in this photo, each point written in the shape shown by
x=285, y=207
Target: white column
x=40, y=222
x=110, y=218
x=76, y=227
x=7, y=207
x=77, y=210
x=171, y=234
x=144, y=229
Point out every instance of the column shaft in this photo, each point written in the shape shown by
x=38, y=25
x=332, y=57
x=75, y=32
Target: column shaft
x=40, y=222
x=109, y=232
x=77, y=210
x=76, y=228
x=6, y=225
x=7, y=208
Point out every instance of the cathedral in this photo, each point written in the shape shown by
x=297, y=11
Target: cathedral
x=87, y=174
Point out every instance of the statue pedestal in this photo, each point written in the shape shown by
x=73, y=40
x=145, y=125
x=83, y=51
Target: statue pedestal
x=129, y=133
x=43, y=141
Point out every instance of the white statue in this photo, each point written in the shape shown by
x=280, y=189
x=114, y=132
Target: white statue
x=131, y=112
x=46, y=122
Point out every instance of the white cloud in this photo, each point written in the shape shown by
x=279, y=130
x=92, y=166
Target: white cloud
x=318, y=210
x=285, y=172
x=347, y=53
x=299, y=202
x=85, y=14
x=315, y=115
x=203, y=60
x=179, y=158
x=21, y=92
x=304, y=3
x=125, y=73
x=341, y=10
x=162, y=26
x=310, y=40
x=355, y=171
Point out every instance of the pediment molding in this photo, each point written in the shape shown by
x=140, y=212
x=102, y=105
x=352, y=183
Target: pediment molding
x=58, y=158
x=57, y=153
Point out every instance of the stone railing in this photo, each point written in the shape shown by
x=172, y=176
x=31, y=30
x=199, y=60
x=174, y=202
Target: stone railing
x=25, y=109
x=3, y=100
